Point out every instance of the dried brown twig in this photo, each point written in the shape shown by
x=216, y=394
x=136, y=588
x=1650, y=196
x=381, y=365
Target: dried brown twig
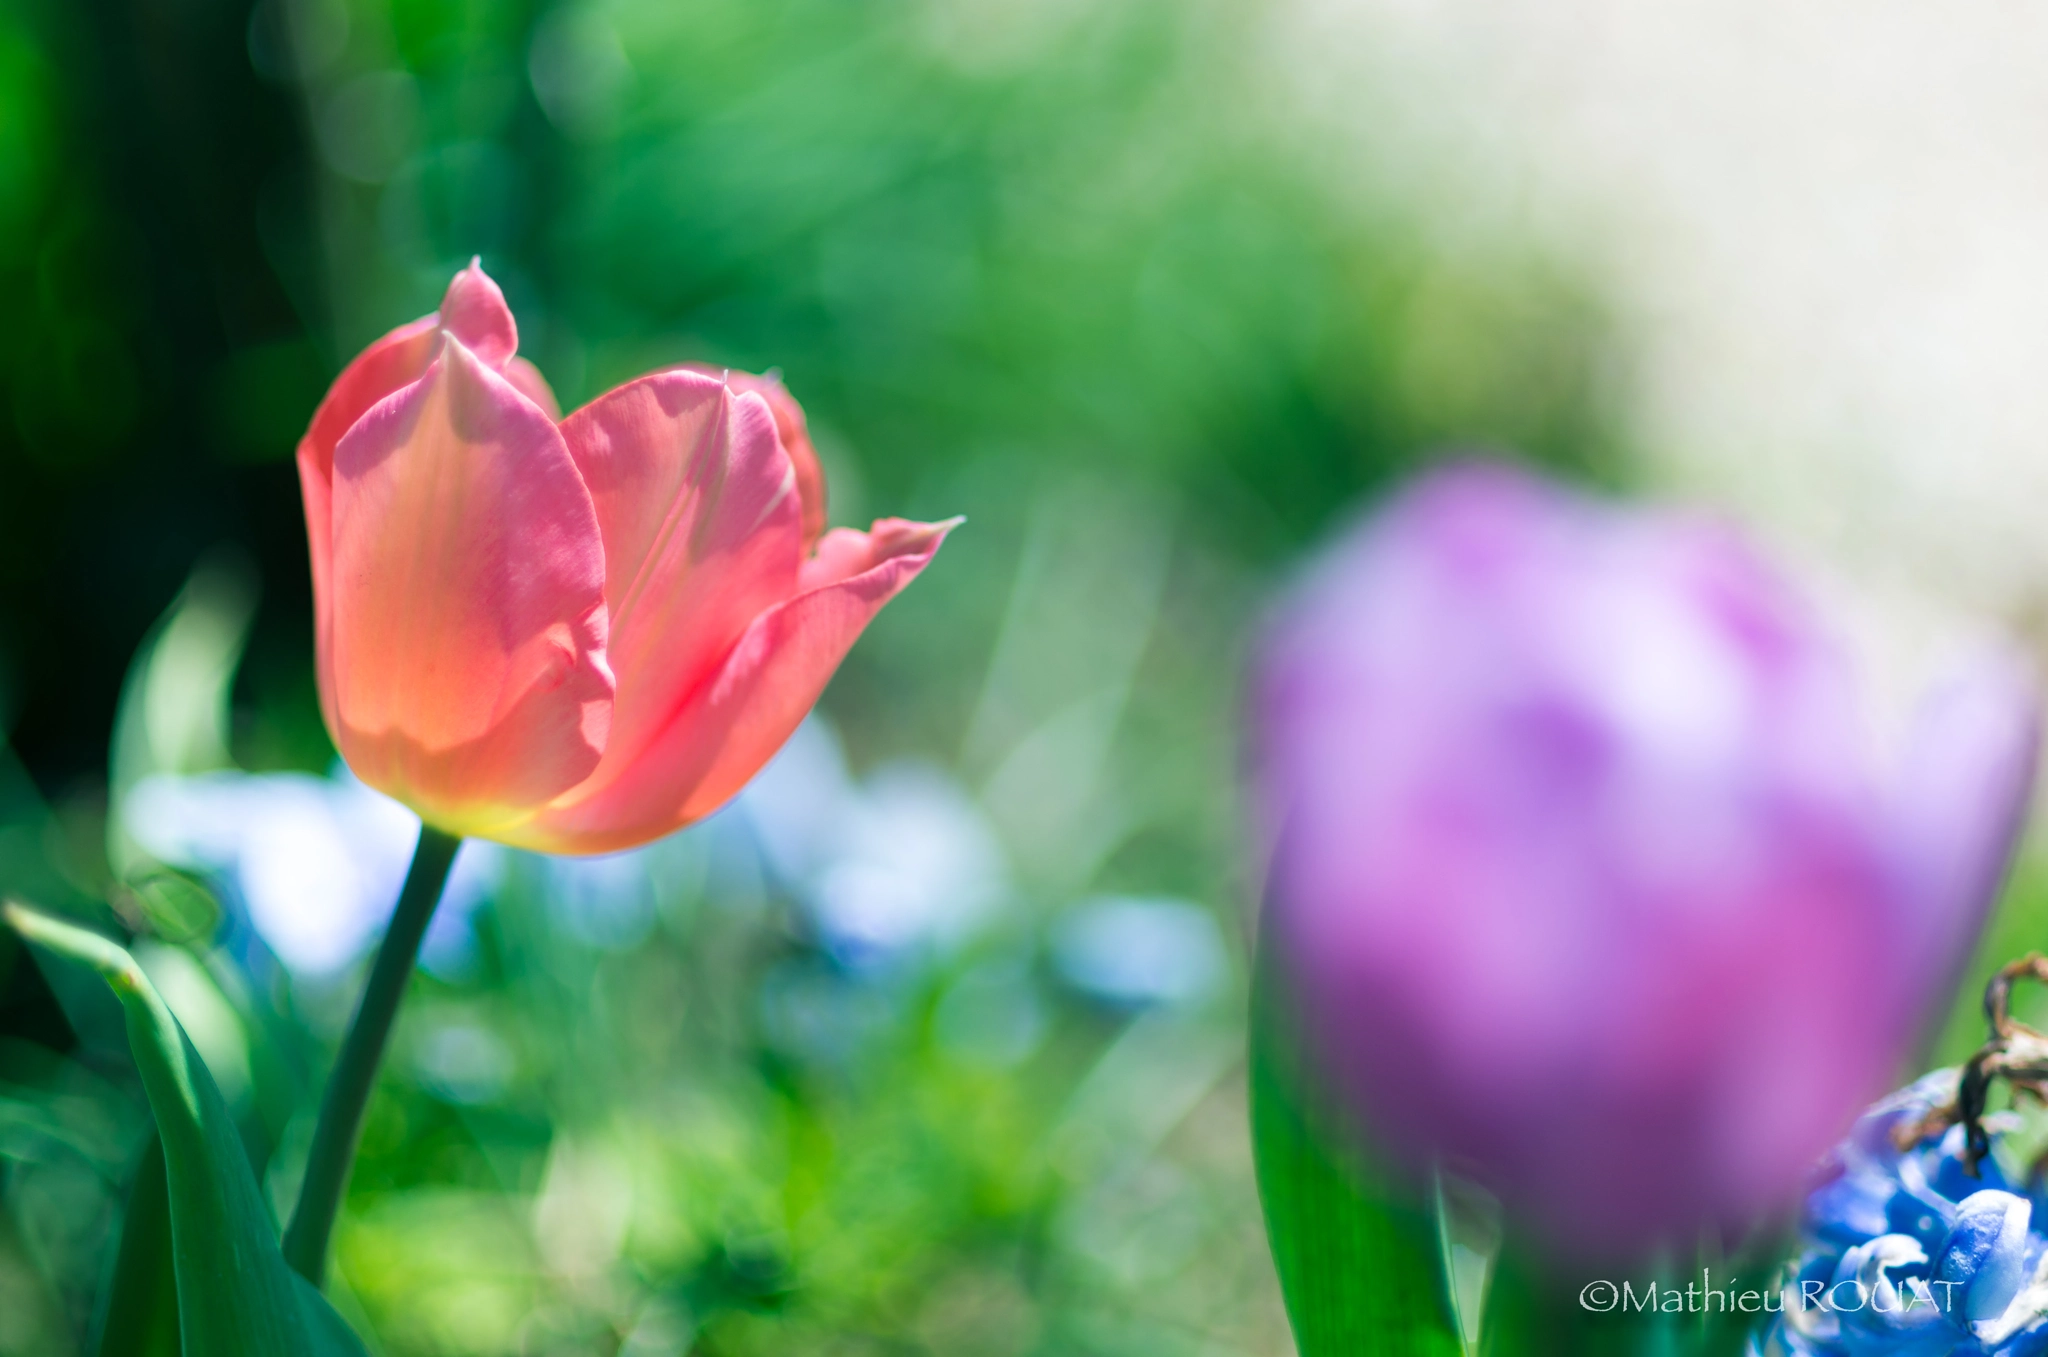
x=2016, y=1053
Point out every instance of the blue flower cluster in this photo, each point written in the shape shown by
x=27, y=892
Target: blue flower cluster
x=1908, y=1255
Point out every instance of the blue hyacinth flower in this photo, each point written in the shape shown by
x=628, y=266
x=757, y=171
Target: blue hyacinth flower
x=1884, y=1304
x=1906, y=1253
x=1980, y=1264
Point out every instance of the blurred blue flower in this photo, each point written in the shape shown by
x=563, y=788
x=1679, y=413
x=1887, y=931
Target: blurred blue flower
x=1905, y=1254
x=792, y=806
x=1136, y=952
x=315, y=863
x=901, y=863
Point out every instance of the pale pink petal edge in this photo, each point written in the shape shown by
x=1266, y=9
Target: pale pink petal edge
x=737, y=720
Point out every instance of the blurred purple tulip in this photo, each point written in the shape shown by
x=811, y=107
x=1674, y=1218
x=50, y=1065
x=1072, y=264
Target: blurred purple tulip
x=1588, y=876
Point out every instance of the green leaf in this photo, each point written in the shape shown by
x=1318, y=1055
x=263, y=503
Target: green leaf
x=177, y=905
x=173, y=714
x=236, y=1297
x=139, y=1312
x=1359, y=1269
x=1470, y=1230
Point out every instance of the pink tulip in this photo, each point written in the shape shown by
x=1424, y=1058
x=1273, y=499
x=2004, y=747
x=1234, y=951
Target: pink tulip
x=796, y=440
x=571, y=634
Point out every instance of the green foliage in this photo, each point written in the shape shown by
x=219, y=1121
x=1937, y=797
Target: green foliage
x=138, y=1314
x=1362, y=1271
x=716, y=1141
x=235, y=1297
x=1369, y=1263
x=177, y=906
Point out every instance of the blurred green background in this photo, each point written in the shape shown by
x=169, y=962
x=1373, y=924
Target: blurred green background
x=945, y=1058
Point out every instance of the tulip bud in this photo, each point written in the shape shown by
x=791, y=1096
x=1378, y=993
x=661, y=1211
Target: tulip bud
x=1586, y=874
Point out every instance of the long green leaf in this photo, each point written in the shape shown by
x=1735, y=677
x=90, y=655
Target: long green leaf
x=139, y=1312
x=1359, y=1270
x=236, y=1297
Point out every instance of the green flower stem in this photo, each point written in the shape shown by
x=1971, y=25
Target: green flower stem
x=355, y=1070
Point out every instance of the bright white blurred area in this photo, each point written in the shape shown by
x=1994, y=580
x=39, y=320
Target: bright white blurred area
x=1816, y=228
x=316, y=862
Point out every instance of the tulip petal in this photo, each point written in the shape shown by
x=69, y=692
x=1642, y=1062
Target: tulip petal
x=794, y=434
x=737, y=718
x=701, y=534
x=1963, y=793
x=467, y=659
x=394, y=361
x=845, y=553
x=526, y=379
x=317, y=491
x=474, y=311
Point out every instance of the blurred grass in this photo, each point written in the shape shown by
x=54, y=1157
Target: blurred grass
x=1054, y=267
